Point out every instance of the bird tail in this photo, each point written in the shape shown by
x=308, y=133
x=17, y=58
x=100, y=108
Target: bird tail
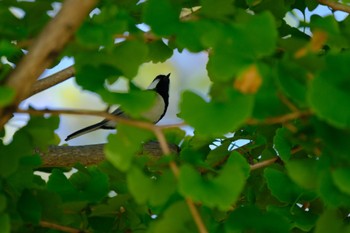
x=86, y=130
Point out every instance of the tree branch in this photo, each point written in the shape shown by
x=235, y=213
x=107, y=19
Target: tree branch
x=68, y=156
x=264, y=163
x=106, y=115
x=44, y=50
x=279, y=119
x=51, y=80
x=59, y=227
x=335, y=5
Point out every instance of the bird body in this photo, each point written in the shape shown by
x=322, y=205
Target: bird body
x=160, y=85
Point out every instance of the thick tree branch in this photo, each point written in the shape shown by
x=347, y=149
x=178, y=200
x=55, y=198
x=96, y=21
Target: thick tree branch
x=51, y=80
x=335, y=5
x=68, y=156
x=44, y=50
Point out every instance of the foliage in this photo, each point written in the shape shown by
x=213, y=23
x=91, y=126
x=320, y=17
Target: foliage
x=282, y=89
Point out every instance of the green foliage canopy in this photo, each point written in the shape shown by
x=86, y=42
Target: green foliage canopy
x=284, y=90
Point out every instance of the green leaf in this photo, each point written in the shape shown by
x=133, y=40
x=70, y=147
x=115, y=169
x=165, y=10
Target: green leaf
x=11, y=154
x=292, y=80
x=92, y=77
x=162, y=16
x=312, y=4
x=60, y=184
x=130, y=102
x=303, y=172
x=282, y=144
x=29, y=207
x=41, y=131
x=91, y=183
x=102, y=28
x=7, y=95
x=128, y=56
x=297, y=216
x=220, y=191
x=329, y=24
x=5, y=223
x=218, y=154
x=176, y=218
x=230, y=114
x=267, y=101
x=219, y=10
x=2, y=202
x=122, y=147
x=281, y=186
x=153, y=190
x=242, y=218
x=331, y=221
x=341, y=179
x=329, y=96
x=239, y=47
x=330, y=193
x=51, y=205
x=158, y=51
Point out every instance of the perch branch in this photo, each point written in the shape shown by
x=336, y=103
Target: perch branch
x=44, y=50
x=68, y=156
x=51, y=80
x=335, y=5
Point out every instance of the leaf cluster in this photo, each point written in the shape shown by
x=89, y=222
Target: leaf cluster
x=278, y=93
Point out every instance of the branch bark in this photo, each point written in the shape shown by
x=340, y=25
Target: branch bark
x=335, y=5
x=44, y=50
x=59, y=227
x=51, y=80
x=68, y=156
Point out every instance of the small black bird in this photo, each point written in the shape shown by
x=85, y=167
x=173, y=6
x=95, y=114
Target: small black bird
x=160, y=85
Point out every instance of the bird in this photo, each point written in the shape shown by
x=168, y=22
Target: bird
x=159, y=85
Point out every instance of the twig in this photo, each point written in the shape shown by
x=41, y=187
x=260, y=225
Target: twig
x=108, y=116
x=287, y=102
x=44, y=50
x=262, y=164
x=51, y=80
x=177, y=125
x=279, y=119
x=60, y=227
x=165, y=149
x=335, y=5
x=196, y=216
x=194, y=212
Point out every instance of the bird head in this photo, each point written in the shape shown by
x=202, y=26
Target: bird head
x=161, y=85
